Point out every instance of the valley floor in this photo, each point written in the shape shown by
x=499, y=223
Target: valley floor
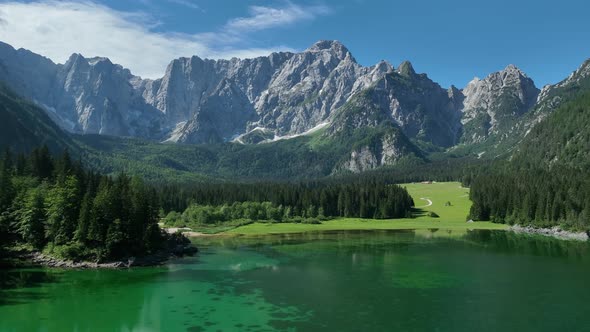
x=448, y=200
x=362, y=224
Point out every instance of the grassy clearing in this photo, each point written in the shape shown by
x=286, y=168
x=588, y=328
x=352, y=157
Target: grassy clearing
x=450, y=217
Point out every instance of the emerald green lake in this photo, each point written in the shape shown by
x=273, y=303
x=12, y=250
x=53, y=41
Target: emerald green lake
x=339, y=281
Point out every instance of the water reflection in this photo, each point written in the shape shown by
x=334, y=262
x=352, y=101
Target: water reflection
x=347, y=281
x=537, y=245
x=11, y=280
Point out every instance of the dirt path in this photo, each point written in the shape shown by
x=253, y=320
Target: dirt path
x=186, y=232
x=427, y=205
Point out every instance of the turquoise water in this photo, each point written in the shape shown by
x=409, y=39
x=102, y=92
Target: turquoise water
x=341, y=281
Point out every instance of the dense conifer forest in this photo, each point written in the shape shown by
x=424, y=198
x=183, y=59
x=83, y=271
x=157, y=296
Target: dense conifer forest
x=547, y=182
x=211, y=203
x=533, y=197
x=53, y=204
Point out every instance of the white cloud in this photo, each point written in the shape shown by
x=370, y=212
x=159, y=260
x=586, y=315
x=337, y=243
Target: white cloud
x=57, y=29
x=186, y=3
x=268, y=17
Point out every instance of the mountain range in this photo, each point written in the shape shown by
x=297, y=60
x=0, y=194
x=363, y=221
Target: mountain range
x=359, y=117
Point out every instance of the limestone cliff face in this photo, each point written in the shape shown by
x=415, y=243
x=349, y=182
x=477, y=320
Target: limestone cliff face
x=197, y=100
x=102, y=99
x=283, y=95
x=552, y=96
x=386, y=151
x=410, y=101
x=495, y=103
x=83, y=95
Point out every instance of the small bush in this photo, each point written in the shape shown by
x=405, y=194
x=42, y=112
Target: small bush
x=311, y=221
x=74, y=251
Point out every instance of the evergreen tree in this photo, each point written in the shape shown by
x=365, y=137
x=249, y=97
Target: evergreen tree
x=6, y=187
x=85, y=218
x=102, y=213
x=115, y=240
x=62, y=211
x=32, y=219
x=42, y=163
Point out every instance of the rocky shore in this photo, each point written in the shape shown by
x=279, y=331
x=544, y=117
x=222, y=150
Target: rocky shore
x=176, y=247
x=556, y=232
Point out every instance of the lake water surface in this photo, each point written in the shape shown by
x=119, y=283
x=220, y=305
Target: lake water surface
x=341, y=281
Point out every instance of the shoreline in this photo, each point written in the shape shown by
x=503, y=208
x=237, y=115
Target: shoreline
x=555, y=232
x=160, y=258
x=175, y=248
x=263, y=229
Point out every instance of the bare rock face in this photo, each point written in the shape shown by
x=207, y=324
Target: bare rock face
x=221, y=116
x=311, y=85
x=187, y=83
x=386, y=151
x=552, y=96
x=410, y=101
x=494, y=104
x=361, y=160
x=283, y=95
x=83, y=96
x=197, y=100
x=102, y=99
x=29, y=74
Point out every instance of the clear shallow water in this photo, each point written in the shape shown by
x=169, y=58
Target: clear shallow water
x=342, y=281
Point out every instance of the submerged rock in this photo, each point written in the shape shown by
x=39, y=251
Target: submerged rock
x=556, y=232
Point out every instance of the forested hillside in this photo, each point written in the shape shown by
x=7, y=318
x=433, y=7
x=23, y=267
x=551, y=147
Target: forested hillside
x=563, y=138
x=362, y=198
x=547, y=182
x=52, y=204
x=24, y=126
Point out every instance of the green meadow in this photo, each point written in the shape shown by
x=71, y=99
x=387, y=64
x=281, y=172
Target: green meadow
x=448, y=200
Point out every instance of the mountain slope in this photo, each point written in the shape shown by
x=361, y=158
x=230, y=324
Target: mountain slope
x=494, y=104
x=24, y=126
x=309, y=114
x=502, y=136
x=197, y=100
x=421, y=108
x=561, y=138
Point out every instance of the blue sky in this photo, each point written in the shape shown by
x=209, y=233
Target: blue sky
x=452, y=41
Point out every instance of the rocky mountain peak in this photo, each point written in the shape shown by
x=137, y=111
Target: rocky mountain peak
x=99, y=60
x=513, y=72
x=581, y=73
x=455, y=95
x=282, y=95
x=326, y=45
x=513, y=69
x=384, y=66
x=495, y=101
x=333, y=46
x=75, y=57
x=550, y=97
x=511, y=76
x=406, y=69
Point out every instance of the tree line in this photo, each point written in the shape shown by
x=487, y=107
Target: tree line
x=539, y=197
x=53, y=204
x=547, y=182
x=361, y=199
x=241, y=213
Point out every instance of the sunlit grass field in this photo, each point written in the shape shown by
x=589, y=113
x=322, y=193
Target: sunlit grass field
x=452, y=217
